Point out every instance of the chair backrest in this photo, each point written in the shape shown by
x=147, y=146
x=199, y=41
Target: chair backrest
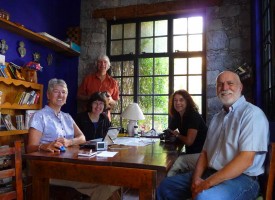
x=270, y=172
x=15, y=172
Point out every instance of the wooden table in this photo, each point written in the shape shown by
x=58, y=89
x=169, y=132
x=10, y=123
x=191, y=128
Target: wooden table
x=139, y=167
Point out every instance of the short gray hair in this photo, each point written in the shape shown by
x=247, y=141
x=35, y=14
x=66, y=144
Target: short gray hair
x=104, y=57
x=53, y=82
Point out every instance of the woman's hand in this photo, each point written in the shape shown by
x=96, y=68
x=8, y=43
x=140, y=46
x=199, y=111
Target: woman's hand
x=65, y=142
x=51, y=147
x=176, y=133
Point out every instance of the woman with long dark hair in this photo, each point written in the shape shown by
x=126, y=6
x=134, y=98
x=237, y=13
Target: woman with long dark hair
x=188, y=127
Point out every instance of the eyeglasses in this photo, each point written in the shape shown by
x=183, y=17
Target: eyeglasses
x=98, y=103
x=56, y=92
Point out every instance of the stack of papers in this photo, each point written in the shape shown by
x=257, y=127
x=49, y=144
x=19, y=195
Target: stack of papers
x=130, y=141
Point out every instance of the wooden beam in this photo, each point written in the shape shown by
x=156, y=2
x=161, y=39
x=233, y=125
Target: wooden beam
x=157, y=9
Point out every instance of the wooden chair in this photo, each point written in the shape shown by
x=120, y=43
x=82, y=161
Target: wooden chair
x=270, y=173
x=15, y=172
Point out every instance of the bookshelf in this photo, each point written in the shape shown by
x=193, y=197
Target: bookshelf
x=10, y=88
x=38, y=38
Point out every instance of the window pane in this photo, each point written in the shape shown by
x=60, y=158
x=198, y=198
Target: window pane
x=145, y=85
x=160, y=123
x=161, y=104
x=198, y=101
x=128, y=68
x=145, y=103
x=195, y=84
x=116, y=47
x=130, y=30
x=147, y=123
x=199, y=25
x=161, y=45
x=195, y=65
x=146, y=66
x=180, y=26
x=129, y=47
x=180, y=66
x=116, y=120
x=146, y=29
x=161, y=85
x=161, y=66
x=195, y=43
x=116, y=109
x=146, y=45
x=161, y=28
x=180, y=43
x=128, y=85
x=180, y=82
x=126, y=100
x=116, y=68
x=116, y=31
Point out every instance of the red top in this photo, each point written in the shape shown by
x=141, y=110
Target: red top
x=91, y=84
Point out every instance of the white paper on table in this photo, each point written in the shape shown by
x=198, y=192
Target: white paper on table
x=132, y=141
x=107, y=154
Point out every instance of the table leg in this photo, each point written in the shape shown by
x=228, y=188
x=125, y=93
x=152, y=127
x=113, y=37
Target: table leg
x=40, y=188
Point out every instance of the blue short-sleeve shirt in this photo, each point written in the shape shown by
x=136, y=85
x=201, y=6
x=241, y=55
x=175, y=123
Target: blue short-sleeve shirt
x=52, y=126
x=244, y=128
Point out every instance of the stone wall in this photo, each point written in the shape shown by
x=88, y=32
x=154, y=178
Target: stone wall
x=228, y=39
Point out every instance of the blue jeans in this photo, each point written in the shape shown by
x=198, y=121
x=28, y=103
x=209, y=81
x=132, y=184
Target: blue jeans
x=179, y=188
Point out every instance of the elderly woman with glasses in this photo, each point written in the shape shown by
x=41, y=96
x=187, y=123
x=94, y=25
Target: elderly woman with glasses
x=94, y=123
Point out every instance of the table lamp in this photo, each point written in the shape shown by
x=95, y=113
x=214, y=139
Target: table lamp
x=132, y=113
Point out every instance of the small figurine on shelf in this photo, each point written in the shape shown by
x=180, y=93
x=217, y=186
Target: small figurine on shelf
x=21, y=49
x=3, y=46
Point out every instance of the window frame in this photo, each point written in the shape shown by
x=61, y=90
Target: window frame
x=170, y=54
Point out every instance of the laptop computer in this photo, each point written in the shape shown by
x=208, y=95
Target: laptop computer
x=111, y=134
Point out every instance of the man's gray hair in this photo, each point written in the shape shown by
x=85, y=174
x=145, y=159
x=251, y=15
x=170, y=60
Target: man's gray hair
x=104, y=57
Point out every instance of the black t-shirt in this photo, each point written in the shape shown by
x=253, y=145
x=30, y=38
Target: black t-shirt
x=88, y=127
x=192, y=120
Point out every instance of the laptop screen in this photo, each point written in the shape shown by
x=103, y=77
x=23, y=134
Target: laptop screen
x=111, y=135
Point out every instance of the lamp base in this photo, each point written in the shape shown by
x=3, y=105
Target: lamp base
x=130, y=127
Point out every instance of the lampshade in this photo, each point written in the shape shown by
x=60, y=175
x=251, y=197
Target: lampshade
x=133, y=113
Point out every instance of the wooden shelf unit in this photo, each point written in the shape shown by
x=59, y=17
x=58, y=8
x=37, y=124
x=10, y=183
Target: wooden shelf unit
x=10, y=88
x=20, y=30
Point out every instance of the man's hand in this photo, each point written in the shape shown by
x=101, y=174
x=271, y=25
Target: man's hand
x=198, y=185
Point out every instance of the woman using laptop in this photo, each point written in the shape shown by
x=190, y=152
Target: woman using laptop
x=94, y=123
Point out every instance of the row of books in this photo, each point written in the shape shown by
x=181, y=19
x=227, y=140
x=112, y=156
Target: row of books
x=28, y=98
x=11, y=70
x=22, y=122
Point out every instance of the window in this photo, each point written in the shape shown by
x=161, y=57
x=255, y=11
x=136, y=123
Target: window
x=151, y=58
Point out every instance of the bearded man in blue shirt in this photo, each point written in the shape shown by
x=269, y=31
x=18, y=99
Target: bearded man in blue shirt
x=233, y=154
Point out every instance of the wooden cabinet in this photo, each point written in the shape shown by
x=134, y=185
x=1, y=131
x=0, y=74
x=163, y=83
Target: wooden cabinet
x=10, y=88
x=21, y=30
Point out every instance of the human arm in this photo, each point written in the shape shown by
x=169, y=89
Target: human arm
x=234, y=168
x=189, y=138
x=111, y=103
x=34, y=144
